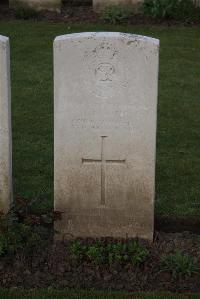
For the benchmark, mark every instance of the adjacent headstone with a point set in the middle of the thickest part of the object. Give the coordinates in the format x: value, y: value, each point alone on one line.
x: 105, y: 134
x: 51, y: 5
x: 5, y: 127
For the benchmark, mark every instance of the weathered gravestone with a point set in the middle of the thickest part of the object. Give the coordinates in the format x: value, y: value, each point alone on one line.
x: 5, y: 126
x: 105, y: 134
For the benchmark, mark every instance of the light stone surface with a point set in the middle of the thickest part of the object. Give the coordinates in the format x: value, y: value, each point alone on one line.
x: 5, y: 127
x: 51, y: 5
x: 105, y: 134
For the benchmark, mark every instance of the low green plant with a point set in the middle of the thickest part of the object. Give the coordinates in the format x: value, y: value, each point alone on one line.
x: 159, y: 9
x: 21, y: 237
x: 110, y: 253
x: 131, y: 252
x: 77, y: 250
x: 187, y: 11
x: 25, y: 13
x: 116, y: 253
x: 24, y: 228
x: 184, y: 10
x: 179, y: 264
x: 116, y: 13
x: 95, y: 254
x: 137, y: 252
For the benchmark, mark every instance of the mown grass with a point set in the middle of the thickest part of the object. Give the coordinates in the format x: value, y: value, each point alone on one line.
x: 79, y: 294
x: 178, y: 156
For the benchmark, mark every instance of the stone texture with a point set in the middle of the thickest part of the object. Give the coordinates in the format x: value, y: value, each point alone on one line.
x: 105, y: 134
x: 51, y: 5
x: 5, y: 126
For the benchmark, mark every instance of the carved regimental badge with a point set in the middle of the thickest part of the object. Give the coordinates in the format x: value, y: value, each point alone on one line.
x: 105, y: 73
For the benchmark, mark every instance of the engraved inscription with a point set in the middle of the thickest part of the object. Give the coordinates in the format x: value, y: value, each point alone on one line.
x: 84, y: 123
x: 103, y: 162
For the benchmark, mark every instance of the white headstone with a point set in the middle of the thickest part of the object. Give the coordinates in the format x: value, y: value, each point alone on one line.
x: 5, y: 127
x: 105, y: 134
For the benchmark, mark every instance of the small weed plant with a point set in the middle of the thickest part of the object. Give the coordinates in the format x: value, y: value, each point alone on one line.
x: 183, y: 10
x: 116, y: 253
x: 25, y: 229
x: 137, y: 253
x: 180, y: 265
x: 159, y: 9
x: 95, y: 254
x: 112, y: 253
x: 77, y: 250
x: 115, y: 14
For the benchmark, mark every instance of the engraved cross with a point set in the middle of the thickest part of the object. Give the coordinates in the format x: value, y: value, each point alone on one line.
x: 103, y: 162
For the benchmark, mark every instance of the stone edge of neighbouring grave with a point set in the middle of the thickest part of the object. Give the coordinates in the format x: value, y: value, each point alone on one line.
x: 5, y: 126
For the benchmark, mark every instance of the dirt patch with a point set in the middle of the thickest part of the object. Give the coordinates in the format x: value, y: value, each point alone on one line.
x: 85, y: 14
x: 55, y: 267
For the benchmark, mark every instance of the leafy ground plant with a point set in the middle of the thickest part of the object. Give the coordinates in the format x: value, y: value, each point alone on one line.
x: 159, y: 9
x: 96, y: 254
x: 116, y: 253
x: 180, y: 265
x: 116, y: 13
x: 77, y: 250
x: 184, y: 10
x: 81, y: 252
x: 111, y: 253
x: 137, y: 253
x: 132, y: 252
x: 24, y: 228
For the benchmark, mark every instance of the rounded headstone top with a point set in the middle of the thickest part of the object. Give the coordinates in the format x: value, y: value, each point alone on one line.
x: 109, y: 35
x: 4, y: 38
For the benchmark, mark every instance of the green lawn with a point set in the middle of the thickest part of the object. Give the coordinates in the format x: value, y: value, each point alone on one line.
x: 76, y: 294
x: 178, y: 155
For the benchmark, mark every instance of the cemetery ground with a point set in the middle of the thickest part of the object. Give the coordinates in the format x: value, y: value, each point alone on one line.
x: 79, y: 294
x: 177, y: 175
